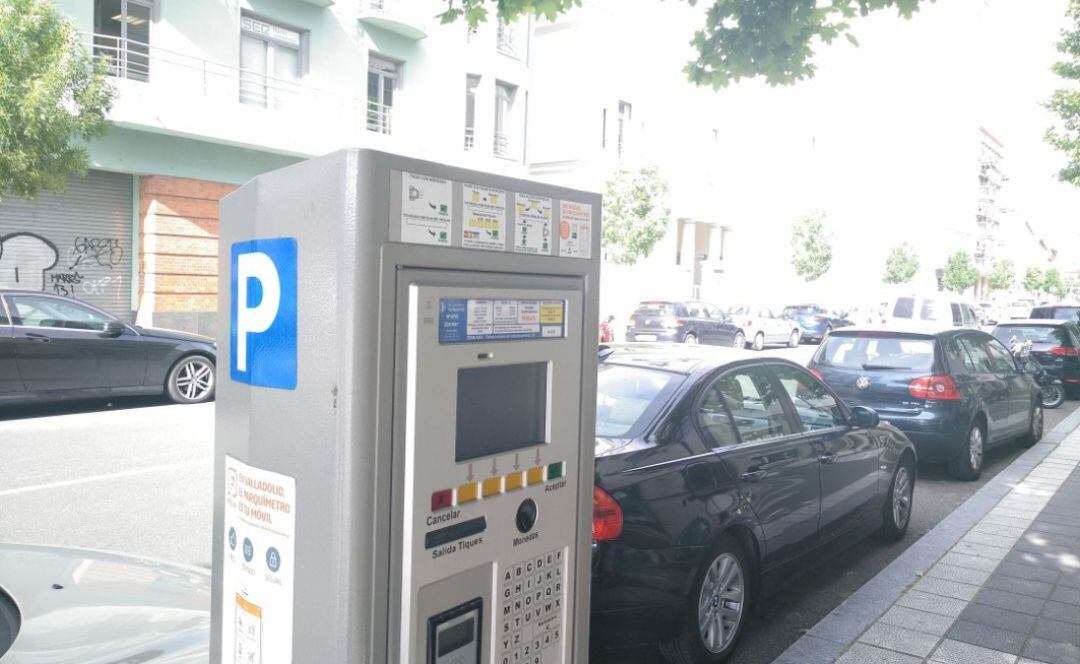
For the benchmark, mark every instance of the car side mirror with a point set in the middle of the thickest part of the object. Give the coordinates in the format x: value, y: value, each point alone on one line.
x: 864, y: 418
x: 113, y: 328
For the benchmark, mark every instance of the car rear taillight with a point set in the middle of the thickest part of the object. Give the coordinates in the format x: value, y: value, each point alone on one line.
x: 817, y: 374
x: 1064, y: 350
x: 606, y: 516
x: 934, y: 387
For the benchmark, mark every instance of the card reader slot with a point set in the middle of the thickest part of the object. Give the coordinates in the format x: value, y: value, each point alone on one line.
x: 455, y: 532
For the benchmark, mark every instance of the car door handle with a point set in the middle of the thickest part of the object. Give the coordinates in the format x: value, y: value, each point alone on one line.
x: 753, y: 475
x: 827, y: 457
x: 40, y: 338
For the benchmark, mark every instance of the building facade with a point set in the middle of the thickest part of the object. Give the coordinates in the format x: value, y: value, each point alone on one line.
x: 214, y: 92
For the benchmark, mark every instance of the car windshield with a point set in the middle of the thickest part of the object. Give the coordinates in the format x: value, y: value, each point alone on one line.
x: 803, y: 310
x: 624, y: 396
x: 655, y: 309
x: 1038, y: 335
x: 877, y: 352
x: 1056, y: 313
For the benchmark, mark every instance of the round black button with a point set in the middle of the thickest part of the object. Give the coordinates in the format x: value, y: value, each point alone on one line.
x: 526, y: 515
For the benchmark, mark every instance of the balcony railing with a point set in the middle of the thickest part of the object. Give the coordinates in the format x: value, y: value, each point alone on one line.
x: 504, y: 41
x: 378, y: 117
x: 502, y: 145
x: 470, y: 138
x: 123, y: 58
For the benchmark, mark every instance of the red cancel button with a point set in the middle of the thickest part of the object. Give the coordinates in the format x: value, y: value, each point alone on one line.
x: 441, y: 500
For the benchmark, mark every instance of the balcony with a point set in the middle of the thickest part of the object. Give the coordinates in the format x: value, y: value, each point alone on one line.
x: 378, y: 117
x: 506, y: 41
x: 502, y: 145
x: 395, y: 16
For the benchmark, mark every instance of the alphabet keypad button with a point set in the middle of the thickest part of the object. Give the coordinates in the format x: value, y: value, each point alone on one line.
x: 531, y: 612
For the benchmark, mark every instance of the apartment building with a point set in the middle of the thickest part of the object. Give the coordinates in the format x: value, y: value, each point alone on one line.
x: 214, y: 92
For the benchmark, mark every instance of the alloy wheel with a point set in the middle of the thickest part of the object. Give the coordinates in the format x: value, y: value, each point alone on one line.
x: 740, y: 340
x: 901, y: 498
x: 195, y: 379
x: 975, y: 448
x: 720, y: 605
x: 690, y: 339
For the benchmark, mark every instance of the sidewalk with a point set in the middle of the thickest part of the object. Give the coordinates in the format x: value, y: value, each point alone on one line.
x: 996, y: 582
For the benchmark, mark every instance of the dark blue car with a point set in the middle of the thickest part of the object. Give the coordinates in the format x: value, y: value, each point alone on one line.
x: 955, y: 392
x: 715, y: 475
x: 816, y: 321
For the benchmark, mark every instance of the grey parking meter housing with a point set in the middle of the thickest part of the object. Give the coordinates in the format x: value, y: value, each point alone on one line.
x: 429, y: 451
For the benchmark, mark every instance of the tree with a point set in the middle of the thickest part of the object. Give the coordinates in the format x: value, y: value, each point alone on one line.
x: 1065, y: 102
x: 1033, y: 280
x: 960, y: 273
x: 774, y: 39
x: 636, y: 214
x: 1053, y: 283
x: 901, y: 264
x: 52, y: 96
x: 811, y: 252
x: 1002, y: 275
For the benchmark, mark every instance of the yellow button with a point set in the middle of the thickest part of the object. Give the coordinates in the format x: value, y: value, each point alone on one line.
x: 468, y: 492
x: 536, y: 475
x: 492, y: 486
x: 515, y: 481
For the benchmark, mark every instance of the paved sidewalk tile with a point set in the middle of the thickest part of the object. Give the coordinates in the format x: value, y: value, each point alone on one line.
x: 920, y: 621
x: 862, y: 653
x: 955, y: 652
x: 899, y: 639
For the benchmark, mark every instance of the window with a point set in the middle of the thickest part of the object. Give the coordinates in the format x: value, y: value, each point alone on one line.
x: 504, y: 108
x: 715, y: 313
x: 694, y: 310
x: 625, y: 113
x: 472, y: 82
x: 1000, y: 359
x: 1044, y: 336
x: 3, y: 314
x: 627, y: 397
x: 36, y: 311
x: 973, y: 356
x: 506, y: 39
x: 817, y: 408
x: 874, y: 352
x: 383, y: 76
x: 603, y: 128
x: 122, y: 37
x: 957, y: 314
x: 754, y: 406
x: 270, y: 63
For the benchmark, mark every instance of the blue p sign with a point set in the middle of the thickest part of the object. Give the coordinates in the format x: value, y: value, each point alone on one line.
x: 262, y: 320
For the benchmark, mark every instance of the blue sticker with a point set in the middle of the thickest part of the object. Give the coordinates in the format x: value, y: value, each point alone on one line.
x: 262, y: 319
x: 468, y: 321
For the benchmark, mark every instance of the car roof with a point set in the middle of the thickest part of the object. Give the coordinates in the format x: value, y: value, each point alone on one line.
x: 679, y: 358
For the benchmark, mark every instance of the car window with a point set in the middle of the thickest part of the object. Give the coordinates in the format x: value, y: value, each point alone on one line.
x: 754, y: 406
x: 957, y: 314
x: 3, y: 313
x: 905, y: 307
x: 876, y: 352
x: 817, y: 408
x: 1038, y: 335
x: 714, y: 419
x: 626, y: 397
x: 35, y: 311
x: 974, y: 356
x: 715, y: 313
x: 1000, y: 358
x: 1057, y: 313
x: 694, y: 310
x: 655, y: 309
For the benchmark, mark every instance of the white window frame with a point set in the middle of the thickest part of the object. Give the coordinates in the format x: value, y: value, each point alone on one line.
x: 505, y: 100
x: 380, y: 115
x: 119, y: 50
x: 276, y: 92
x: 472, y: 87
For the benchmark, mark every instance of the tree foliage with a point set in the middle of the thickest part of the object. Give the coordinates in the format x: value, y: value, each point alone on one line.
x: 636, y: 214
x: 1053, y: 283
x: 1034, y: 280
x: 772, y: 39
x: 901, y: 264
x: 811, y: 252
x: 1002, y: 275
x: 1065, y: 102
x: 52, y: 96
x: 960, y: 273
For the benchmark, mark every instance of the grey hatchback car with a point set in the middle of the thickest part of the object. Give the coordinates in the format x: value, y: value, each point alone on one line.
x: 685, y: 322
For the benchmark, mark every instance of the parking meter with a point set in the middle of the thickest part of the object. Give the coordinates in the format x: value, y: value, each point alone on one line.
x: 403, y: 457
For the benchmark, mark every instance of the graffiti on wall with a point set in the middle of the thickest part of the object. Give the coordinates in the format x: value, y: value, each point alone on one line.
x: 29, y: 261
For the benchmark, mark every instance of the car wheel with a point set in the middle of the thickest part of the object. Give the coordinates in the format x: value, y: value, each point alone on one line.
x: 1035, y: 427
x: 191, y: 380
x: 968, y: 464
x: 740, y: 341
x: 793, y: 340
x: 897, y: 512
x: 759, y: 341
x: 1053, y: 395
x: 690, y: 338
x: 717, y: 609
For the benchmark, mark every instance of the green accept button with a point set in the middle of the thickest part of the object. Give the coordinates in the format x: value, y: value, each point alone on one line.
x: 555, y: 470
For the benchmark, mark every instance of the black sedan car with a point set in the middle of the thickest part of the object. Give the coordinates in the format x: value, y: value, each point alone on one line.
x: 954, y: 392
x: 684, y: 322
x: 1055, y: 345
x: 54, y: 348
x: 816, y: 321
x: 715, y: 474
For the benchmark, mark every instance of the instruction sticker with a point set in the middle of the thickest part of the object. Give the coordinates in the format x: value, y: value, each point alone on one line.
x: 483, y: 218
x: 425, y: 209
x: 463, y: 321
x: 257, y: 580
x: 575, y: 230
x: 532, y: 224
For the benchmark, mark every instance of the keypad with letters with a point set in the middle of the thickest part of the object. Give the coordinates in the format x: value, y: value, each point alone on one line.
x: 529, y: 620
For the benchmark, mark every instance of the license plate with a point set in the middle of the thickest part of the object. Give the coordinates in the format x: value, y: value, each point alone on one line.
x: 644, y: 337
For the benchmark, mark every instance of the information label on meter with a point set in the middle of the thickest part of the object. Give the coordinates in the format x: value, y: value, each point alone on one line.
x: 465, y: 321
x: 257, y: 580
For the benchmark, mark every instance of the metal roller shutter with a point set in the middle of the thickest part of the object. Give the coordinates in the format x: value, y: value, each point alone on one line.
x: 77, y: 243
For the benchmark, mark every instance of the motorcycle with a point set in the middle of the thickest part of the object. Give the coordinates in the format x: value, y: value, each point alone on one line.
x: 1053, y: 390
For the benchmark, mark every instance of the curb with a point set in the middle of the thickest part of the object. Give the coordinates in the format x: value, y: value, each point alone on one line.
x: 834, y: 633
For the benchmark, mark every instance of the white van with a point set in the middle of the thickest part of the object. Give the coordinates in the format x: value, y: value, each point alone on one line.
x: 943, y: 311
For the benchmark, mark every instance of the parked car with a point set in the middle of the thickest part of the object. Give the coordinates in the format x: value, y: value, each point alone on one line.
x: 54, y: 348
x: 765, y: 325
x: 685, y: 322
x: 816, y: 321
x: 1055, y: 345
x: 987, y: 314
x: 1057, y: 312
x: 60, y: 606
x: 954, y: 392
x: 934, y: 310
x: 1021, y: 308
x: 717, y: 474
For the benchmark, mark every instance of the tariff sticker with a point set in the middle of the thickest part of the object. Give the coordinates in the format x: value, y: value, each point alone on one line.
x: 483, y: 218
x: 462, y: 320
x: 532, y: 224
x: 575, y: 230
x: 425, y: 209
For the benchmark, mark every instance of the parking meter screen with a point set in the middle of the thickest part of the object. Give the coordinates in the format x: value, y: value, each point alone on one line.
x: 500, y: 409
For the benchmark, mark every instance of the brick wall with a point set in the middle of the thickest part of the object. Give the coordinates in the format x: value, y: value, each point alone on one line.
x: 178, y: 268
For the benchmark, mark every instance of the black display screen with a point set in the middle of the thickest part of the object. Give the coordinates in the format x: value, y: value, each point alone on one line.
x: 455, y: 637
x: 500, y: 409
